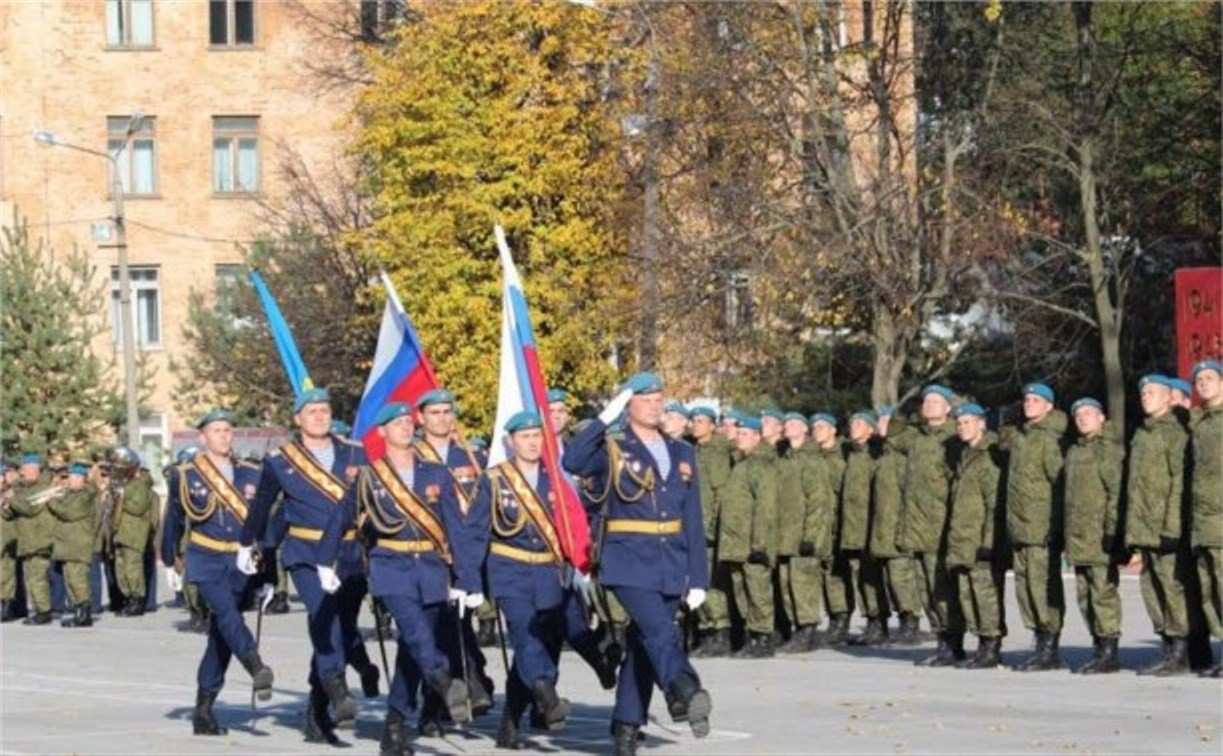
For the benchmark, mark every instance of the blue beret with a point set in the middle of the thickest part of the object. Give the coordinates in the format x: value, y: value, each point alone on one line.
x: 969, y: 408
x: 1181, y: 385
x: 524, y: 420
x: 32, y: 458
x: 557, y: 395
x: 1214, y: 365
x: 772, y: 412
x: 730, y: 415
x: 436, y: 396
x: 478, y: 443
x: 1086, y: 401
x: 676, y: 406
x: 885, y: 411
x: 1039, y: 389
x: 702, y: 410
x: 390, y: 412
x: 214, y: 416
x: 187, y: 453
x: 1159, y: 379
x: 749, y: 422
x: 644, y: 383
x: 800, y: 417
x: 340, y: 428
x: 78, y: 468
x: 938, y: 388
x: 311, y: 396
x: 864, y: 415
x: 824, y: 417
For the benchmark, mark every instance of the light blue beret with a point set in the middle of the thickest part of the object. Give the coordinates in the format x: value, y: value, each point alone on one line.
x: 391, y: 412
x: 1039, y: 389
x: 969, y: 408
x: 524, y: 420
x: 311, y: 396
x: 214, y: 416
x: 1086, y: 401
x: 1214, y: 365
x: 644, y: 383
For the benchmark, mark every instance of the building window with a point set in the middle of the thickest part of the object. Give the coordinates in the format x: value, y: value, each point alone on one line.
x: 380, y: 16
x: 146, y: 306
x: 153, y: 442
x: 231, y: 22
x: 228, y: 278
x: 137, y: 163
x: 739, y: 311
x: 235, y: 154
x: 129, y: 23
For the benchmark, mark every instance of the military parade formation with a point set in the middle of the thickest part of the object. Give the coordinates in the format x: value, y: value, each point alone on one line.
x: 713, y: 533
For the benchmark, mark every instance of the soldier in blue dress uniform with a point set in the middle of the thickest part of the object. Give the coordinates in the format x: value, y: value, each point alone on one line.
x: 651, y: 553
x: 313, y: 474
x: 215, y: 491
x: 410, y: 514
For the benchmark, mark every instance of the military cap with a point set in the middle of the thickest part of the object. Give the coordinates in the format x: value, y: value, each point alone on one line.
x: 187, y: 453
x: 1181, y: 385
x: 391, y: 412
x: 123, y: 457
x: 703, y: 410
x: 78, y: 468
x: 823, y: 417
x: 340, y: 428
x: 311, y: 396
x: 436, y: 396
x: 214, y: 416
x: 797, y: 416
x: 478, y: 443
x: 865, y: 416
x: 750, y: 422
x: 969, y: 408
x: 32, y: 458
x: 938, y: 388
x: 557, y: 395
x: 643, y: 383
x: 678, y: 407
x: 772, y: 412
x: 730, y: 415
x: 1039, y: 389
x: 1159, y: 379
x: 524, y: 420
x: 1086, y: 401
x: 1204, y: 365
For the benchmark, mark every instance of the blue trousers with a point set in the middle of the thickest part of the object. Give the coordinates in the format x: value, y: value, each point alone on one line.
x: 349, y: 597
x: 55, y: 573
x: 97, y: 573
x: 322, y: 622
x: 417, y: 648
x: 654, y: 656
x: 533, y: 635
x: 150, y: 579
x: 227, y: 631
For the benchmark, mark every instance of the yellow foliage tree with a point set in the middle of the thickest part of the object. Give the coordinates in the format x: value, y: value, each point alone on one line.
x: 484, y: 112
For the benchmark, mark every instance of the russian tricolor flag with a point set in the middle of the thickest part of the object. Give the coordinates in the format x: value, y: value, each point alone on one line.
x: 522, y: 387
x: 401, y: 372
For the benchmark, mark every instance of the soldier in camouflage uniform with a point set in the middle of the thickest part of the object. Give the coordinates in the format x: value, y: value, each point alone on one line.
x: 1034, y: 521
x: 746, y: 538
x: 75, y: 514
x: 803, y: 484
x: 136, y: 506
x: 1095, y: 471
x: 1206, y: 483
x: 859, y: 569
x: 899, y: 570
x: 836, y: 591
x: 973, y: 535
x: 35, y: 533
x: 713, y: 464
x: 1153, y: 522
x: 8, y: 545
x: 931, y: 457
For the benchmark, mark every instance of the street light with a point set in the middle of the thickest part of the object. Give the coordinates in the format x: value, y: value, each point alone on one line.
x: 127, y: 327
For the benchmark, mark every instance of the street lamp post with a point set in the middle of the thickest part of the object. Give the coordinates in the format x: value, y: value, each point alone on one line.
x: 126, y: 316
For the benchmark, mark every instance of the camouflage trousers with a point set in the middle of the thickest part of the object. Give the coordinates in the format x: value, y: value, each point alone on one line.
x: 837, y: 585
x: 900, y: 577
x: 714, y: 614
x: 867, y: 580
x: 1099, y: 601
x: 938, y: 592
x: 982, y: 601
x: 8, y: 567
x: 129, y: 573
x: 752, y: 585
x: 1210, y: 575
x: 1038, y: 586
x: 37, y: 581
x: 1163, y: 591
x: 76, y: 582
x: 798, y: 579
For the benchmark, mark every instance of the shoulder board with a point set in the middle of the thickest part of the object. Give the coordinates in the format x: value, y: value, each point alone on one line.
x: 350, y: 442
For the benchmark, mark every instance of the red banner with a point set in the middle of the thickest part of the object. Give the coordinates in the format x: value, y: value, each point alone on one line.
x: 1199, y: 317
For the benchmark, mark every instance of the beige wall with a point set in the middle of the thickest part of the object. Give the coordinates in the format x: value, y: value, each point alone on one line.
x: 57, y: 73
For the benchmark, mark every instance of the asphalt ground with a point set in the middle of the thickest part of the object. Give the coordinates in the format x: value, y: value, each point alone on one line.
x: 127, y: 686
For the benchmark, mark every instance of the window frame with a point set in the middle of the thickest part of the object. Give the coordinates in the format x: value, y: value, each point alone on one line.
x: 125, y: 42
x: 234, y: 136
x: 231, y: 26
x: 137, y: 285
x: 148, y: 132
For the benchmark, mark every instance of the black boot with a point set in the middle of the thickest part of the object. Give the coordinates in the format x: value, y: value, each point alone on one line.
x: 516, y: 701
x: 190, y: 625
x: 1164, y: 649
x: 876, y: 633
x: 261, y: 675
x: 715, y: 644
x: 507, y: 735
x: 1201, y: 655
x: 202, y: 720
x: 202, y: 620
x: 1038, y: 655
x: 988, y: 655
x: 1096, y: 649
x: 394, y: 742
x: 480, y: 689
x: 319, y: 727
x: 941, y: 652
x: 81, y: 617
x: 1046, y: 656
x: 1178, y: 659
x: 554, y: 709
x: 279, y: 603
x: 38, y: 618
x: 598, y: 659
x: 452, y: 692
x: 8, y: 611
x: 758, y: 646
x: 624, y: 739
x: 909, y: 632
x: 688, y: 701
x: 486, y: 633
x: 343, y: 705
x: 838, y: 630
x: 800, y: 641
x: 1106, y: 658
x: 369, y: 680
x: 133, y: 608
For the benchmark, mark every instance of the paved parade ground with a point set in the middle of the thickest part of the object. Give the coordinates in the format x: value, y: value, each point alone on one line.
x: 127, y: 686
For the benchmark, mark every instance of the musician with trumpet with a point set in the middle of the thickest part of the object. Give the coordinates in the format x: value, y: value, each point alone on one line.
x: 8, y: 544
x: 35, y: 527
x: 75, y: 512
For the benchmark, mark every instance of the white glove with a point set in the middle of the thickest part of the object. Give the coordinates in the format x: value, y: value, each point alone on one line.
x: 174, y: 579
x: 584, y: 587
x: 328, y: 579
x: 457, y: 595
x: 246, y: 560
x: 615, y: 407
x: 695, y: 597
x: 473, y: 600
